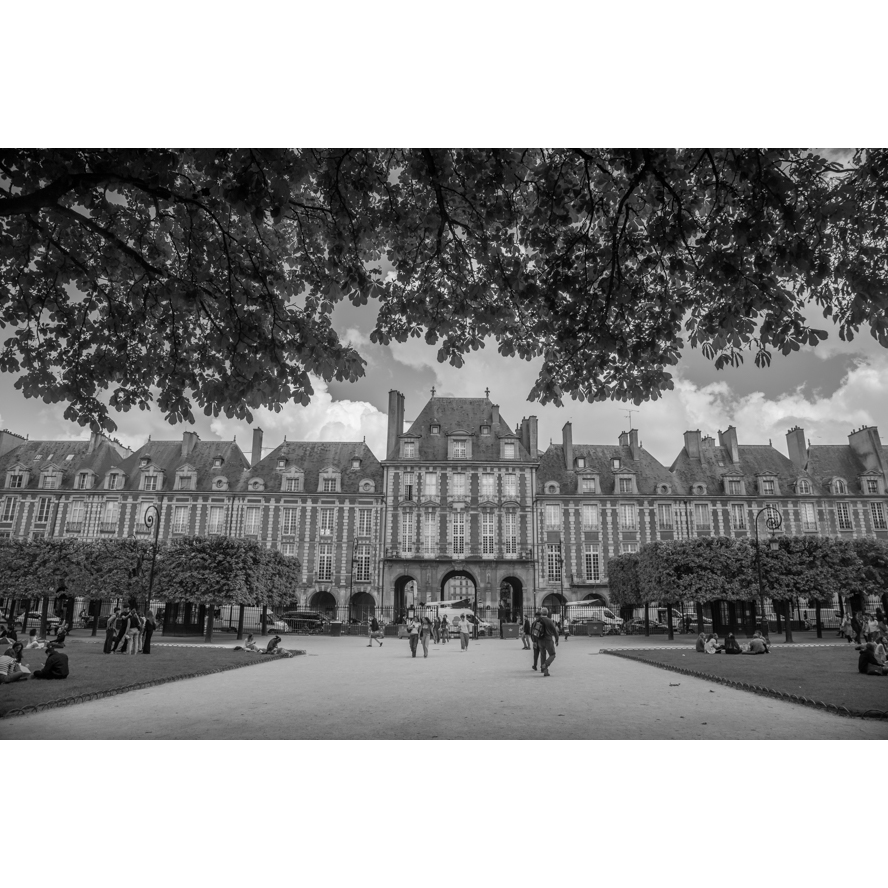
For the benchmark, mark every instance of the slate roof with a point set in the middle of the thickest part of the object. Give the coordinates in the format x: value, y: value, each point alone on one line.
x: 827, y: 461
x: 312, y: 457
x: 755, y: 459
x: 648, y: 470
x: 37, y: 455
x: 461, y: 414
x: 168, y: 456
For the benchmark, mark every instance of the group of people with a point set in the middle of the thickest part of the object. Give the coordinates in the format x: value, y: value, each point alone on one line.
x: 12, y: 665
x: 273, y: 648
x: 709, y: 644
x: 425, y: 631
x: 863, y: 627
x: 129, y: 631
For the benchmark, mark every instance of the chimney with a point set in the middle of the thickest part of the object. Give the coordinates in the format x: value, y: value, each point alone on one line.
x: 95, y: 439
x: 257, y: 447
x: 693, y: 444
x: 797, y: 448
x: 708, y: 442
x: 728, y: 440
x: 395, y: 421
x: 189, y: 442
x: 495, y: 422
x: 567, y: 437
x: 633, y: 444
x: 624, y: 439
x: 867, y: 445
x: 9, y: 441
x: 529, y: 435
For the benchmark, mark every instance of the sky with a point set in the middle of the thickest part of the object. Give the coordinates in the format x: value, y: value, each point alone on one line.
x: 828, y: 390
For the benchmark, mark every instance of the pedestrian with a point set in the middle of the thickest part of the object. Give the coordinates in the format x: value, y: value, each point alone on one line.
x: 375, y: 634
x: 872, y: 628
x: 436, y: 628
x: 110, y: 629
x: 524, y: 631
x: 545, y: 633
x: 413, y: 635
x: 845, y: 628
x: 464, y: 633
x: 148, y: 631
x: 565, y: 627
x: 856, y: 627
x: 122, y: 626
x: 445, y: 630
x: 425, y: 635
x: 133, y: 632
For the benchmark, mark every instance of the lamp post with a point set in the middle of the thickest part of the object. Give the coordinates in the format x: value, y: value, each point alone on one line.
x: 772, y: 522
x: 150, y: 520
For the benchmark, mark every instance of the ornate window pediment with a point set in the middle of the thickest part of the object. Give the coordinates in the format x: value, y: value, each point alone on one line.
x: 17, y: 476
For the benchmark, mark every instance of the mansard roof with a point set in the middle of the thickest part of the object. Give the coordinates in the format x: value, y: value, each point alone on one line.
x: 312, y: 457
x: 167, y: 455
x: 828, y: 461
x: 462, y: 415
x: 648, y: 471
x: 37, y: 456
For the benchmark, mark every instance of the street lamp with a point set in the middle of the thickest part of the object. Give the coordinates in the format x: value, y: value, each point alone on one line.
x: 150, y: 520
x: 772, y: 522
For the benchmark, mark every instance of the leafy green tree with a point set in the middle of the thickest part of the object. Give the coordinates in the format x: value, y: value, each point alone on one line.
x: 623, y: 580
x: 210, y: 276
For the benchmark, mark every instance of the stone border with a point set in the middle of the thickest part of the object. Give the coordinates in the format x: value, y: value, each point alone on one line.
x: 755, y: 689
x: 113, y: 692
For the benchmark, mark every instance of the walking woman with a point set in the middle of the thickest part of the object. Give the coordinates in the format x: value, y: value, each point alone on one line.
x: 436, y: 628
x: 148, y: 631
x: 135, y: 628
x: 525, y: 633
x: 425, y: 635
x: 413, y: 636
x: 445, y: 630
x: 845, y: 628
x: 464, y: 633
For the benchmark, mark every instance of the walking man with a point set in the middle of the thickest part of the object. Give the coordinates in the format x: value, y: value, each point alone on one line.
x: 464, y: 633
x: 414, y: 636
x: 375, y: 634
x: 545, y: 634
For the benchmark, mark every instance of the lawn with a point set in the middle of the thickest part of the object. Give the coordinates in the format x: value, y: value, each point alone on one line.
x: 823, y: 674
x: 93, y: 672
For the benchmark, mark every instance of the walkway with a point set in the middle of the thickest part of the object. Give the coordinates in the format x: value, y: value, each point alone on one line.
x: 343, y: 690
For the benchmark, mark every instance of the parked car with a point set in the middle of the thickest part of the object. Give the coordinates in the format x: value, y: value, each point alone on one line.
x: 52, y: 622
x: 307, y: 622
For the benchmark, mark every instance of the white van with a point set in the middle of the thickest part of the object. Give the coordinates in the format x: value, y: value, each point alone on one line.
x: 591, y: 611
x: 227, y: 617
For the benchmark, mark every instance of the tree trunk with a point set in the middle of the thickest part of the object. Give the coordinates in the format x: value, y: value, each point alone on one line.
x: 699, y: 617
x: 265, y: 619
x: 788, y: 615
x: 817, y: 618
x: 94, y: 609
x: 44, y: 611
x: 669, y: 621
x: 240, y: 622
x: 647, y: 620
x: 211, y: 611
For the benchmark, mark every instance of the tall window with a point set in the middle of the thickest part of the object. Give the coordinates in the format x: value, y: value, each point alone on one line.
x: 8, y: 509
x: 841, y: 487
x: 431, y: 485
x: 553, y: 563
x: 184, y: 482
x: 592, y: 562
x: 738, y: 516
x: 365, y: 519
x: 510, y: 532
x: 804, y: 487
x: 664, y: 516
x: 149, y: 482
x: 180, y: 519
x: 734, y: 486
x: 767, y: 486
x: 288, y: 522
x: 510, y: 485
x: 111, y: 512
x: 362, y: 563
x: 843, y: 513
x: 75, y: 513
x: 487, y: 485
x: 409, y: 449
x: 326, y: 522
x: 487, y: 533
x: 628, y: 548
x: 113, y: 481
x: 701, y: 515
x: 293, y: 485
x: 590, y: 517
x: 288, y: 549
x: 43, y: 507
x: 429, y: 533
x: 809, y: 516
x: 878, y: 511
x: 587, y: 485
x: 50, y: 481
x: 459, y: 449
x: 16, y: 481
x: 459, y: 533
x: 628, y: 516
x: 329, y: 485
x: 509, y: 450
x: 216, y: 520
x: 408, y: 485
x: 872, y: 485
x: 458, y: 485
x: 407, y: 526
x: 625, y: 485
x: 252, y: 515
x: 325, y: 562
x: 553, y: 516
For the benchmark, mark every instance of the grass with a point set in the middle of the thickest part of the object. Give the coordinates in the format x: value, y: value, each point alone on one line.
x: 93, y: 672
x: 822, y: 674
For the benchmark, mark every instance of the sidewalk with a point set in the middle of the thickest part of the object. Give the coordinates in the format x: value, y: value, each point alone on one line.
x: 344, y: 690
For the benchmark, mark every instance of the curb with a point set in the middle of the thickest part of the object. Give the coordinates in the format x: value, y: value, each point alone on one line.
x: 755, y: 689
x: 113, y: 692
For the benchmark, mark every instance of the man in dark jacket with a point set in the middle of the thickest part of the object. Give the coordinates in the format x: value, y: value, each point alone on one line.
x: 56, y: 665
x: 545, y: 636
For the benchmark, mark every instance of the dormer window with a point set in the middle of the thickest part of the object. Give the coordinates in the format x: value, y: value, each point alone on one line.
x: 257, y: 484
x: 143, y: 461
x: 615, y: 463
x: 15, y: 480
x: 292, y: 483
x: 184, y: 482
x: 734, y: 487
x: 552, y: 487
x: 113, y: 481
x: 581, y: 462
x: 626, y: 485
x: 217, y: 462
x: 872, y: 485
x: 459, y: 449
x: 698, y: 489
x: 220, y: 484
x: 509, y: 450
x: 356, y: 463
x: 329, y: 485
x: 436, y: 429
x: 767, y: 486
x: 804, y: 487
x: 408, y: 449
x: 84, y: 481
x: 282, y: 464
x: 50, y: 481
x: 149, y: 482
x: 839, y: 486
x: 485, y: 430
x: 588, y: 485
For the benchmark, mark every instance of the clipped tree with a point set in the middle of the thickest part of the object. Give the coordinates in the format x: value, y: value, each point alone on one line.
x: 623, y: 580
x: 873, y: 555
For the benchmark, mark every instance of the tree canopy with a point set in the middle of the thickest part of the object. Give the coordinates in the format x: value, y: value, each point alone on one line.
x: 208, y: 278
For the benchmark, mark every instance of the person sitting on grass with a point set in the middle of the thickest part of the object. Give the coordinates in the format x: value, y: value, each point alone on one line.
x: 731, y: 646
x: 867, y: 664
x: 272, y: 645
x: 712, y: 646
x: 33, y: 642
x: 56, y: 665
x: 9, y: 668
x: 701, y: 643
x: 758, y: 644
x: 250, y: 645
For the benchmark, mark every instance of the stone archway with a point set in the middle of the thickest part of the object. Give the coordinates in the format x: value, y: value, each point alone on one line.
x: 512, y: 590
x: 324, y: 603
x: 555, y: 602
x: 457, y: 584
x: 362, y: 607
x: 404, y: 596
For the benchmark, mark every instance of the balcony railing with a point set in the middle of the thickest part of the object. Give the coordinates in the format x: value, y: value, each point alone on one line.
x: 473, y: 553
x: 73, y: 526
x: 108, y: 526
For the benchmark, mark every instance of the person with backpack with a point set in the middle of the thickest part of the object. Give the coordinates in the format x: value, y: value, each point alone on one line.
x: 545, y: 637
x: 374, y: 632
